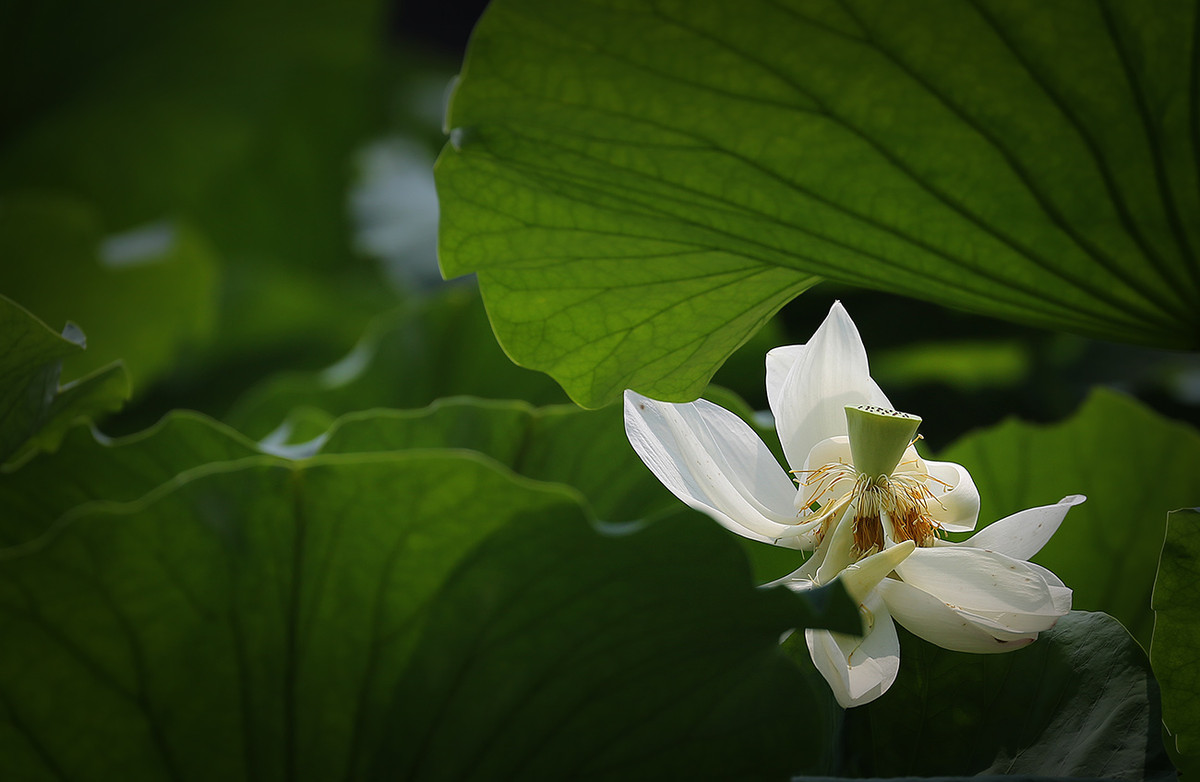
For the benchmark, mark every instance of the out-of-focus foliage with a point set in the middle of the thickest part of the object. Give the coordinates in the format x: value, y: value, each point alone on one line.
x: 438, y: 347
x: 187, y: 167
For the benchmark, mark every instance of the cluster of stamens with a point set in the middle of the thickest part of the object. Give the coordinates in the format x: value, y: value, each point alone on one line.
x: 902, y: 498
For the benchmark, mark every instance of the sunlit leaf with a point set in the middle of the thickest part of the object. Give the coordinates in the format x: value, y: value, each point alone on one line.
x: 1133, y: 465
x: 638, y: 185
x: 1175, y: 650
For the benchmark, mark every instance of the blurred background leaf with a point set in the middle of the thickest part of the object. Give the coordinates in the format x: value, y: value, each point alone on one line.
x: 35, y: 409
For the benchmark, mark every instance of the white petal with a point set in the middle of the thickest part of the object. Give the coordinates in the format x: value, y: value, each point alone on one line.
x: 830, y: 373
x: 713, y: 461
x: 984, y: 583
x: 955, y: 503
x: 1059, y: 591
x: 858, y: 670
x: 863, y: 576
x: 1023, y: 534
x: 779, y: 363
x: 925, y: 616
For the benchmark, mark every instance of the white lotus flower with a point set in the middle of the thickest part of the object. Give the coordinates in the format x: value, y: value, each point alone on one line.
x: 873, y: 510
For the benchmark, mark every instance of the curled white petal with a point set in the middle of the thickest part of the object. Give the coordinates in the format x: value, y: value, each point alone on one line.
x: 984, y: 583
x: 858, y: 670
x: 1023, y: 534
x: 955, y: 503
x: 830, y: 373
x: 926, y: 616
x: 712, y: 461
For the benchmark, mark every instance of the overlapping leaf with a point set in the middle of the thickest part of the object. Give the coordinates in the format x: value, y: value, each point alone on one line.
x: 388, y: 614
x: 34, y: 410
x: 640, y: 184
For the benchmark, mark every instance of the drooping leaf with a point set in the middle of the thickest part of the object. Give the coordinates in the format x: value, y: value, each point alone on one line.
x: 639, y: 185
x: 1132, y: 464
x: 1174, y: 649
x: 34, y: 409
x: 401, y: 614
x: 1079, y: 702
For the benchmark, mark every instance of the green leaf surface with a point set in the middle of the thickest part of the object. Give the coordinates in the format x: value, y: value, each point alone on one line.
x: 586, y: 450
x: 142, y: 297
x: 1175, y: 649
x: 436, y: 348
x: 89, y: 468
x: 1079, y: 702
x: 34, y: 410
x: 1132, y: 464
x: 420, y: 614
x: 638, y: 185
x: 104, y: 391
x: 29, y: 370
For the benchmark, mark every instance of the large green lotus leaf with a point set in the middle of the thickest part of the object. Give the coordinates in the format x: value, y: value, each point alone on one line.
x: 1132, y: 464
x: 34, y: 410
x: 638, y: 185
x: 407, y: 615
x: 586, y: 450
x: 1079, y: 702
x: 89, y: 467
x: 141, y: 297
x: 426, y: 350
x: 1175, y: 649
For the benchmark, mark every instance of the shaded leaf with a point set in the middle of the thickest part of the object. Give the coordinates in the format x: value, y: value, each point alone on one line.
x: 83, y: 400
x: 638, y: 186
x: 1173, y: 651
x: 1132, y: 464
x: 437, y: 348
x: 1079, y: 702
x: 34, y: 409
x: 266, y: 619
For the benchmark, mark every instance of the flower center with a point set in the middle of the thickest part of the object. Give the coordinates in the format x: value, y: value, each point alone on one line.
x: 898, y: 501
x: 881, y: 506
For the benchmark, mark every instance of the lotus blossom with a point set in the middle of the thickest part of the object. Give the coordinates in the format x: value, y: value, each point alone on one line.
x: 873, y: 511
